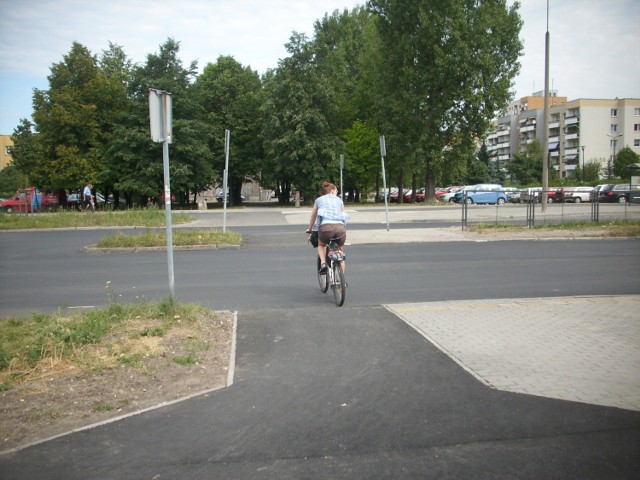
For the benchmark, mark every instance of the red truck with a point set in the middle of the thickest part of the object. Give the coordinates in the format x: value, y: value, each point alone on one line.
x: 30, y: 200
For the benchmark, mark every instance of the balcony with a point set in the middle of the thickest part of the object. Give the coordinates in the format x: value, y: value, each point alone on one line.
x: 571, y: 120
x: 571, y: 136
x: 571, y: 151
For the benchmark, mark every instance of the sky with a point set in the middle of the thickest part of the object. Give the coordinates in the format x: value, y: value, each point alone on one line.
x: 594, y: 44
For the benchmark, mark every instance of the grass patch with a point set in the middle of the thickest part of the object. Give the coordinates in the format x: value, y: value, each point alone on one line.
x: 146, y: 217
x: 618, y: 228
x: 152, y: 238
x: 102, y: 407
x: 49, y: 345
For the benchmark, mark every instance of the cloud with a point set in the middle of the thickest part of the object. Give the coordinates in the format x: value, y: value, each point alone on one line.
x: 595, y: 45
x: 594, y: 48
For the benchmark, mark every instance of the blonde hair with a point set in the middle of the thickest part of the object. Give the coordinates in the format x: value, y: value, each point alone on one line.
x: 328, y: 187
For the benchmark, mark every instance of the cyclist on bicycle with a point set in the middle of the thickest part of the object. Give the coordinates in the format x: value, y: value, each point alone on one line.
x: 329, y: 219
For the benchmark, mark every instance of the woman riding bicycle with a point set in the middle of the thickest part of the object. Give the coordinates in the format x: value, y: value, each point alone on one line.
x: 329, y: 218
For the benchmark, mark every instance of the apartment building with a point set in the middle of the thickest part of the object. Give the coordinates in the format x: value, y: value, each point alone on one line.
x: 580, y: 131
x: 5, y: 150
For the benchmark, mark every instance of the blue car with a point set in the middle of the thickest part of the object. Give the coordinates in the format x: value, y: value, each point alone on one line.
x: 482, y: 193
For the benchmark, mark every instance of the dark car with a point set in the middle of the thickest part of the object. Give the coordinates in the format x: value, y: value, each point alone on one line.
x: 614, y: 193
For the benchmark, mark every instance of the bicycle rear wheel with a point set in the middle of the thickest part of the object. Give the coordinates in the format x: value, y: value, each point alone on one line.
x: 339, y: 285
x: 323, y: 280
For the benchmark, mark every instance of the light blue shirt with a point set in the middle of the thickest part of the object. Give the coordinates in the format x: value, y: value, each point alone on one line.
x: 330, y: 210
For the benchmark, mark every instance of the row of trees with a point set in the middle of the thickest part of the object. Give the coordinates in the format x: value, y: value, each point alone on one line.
x: 427, y: 75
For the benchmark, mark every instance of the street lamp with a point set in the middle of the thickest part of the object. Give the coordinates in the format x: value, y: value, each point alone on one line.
x: 615, y: 138
x: 583, y: 147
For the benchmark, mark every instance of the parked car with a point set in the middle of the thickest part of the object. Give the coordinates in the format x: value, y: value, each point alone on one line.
x: 30, y: 199
x: 219, y: 197
x: 448, y: 197
x: 614, y: 193
x: 483, y: 193
x: 575, y: 194
x: 514, y: 195
x: 393, y: 198
x: 446, y: 193
x: 596, y: 190
x: 535, y: 194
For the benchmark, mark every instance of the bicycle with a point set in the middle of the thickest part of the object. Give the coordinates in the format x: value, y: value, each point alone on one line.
x: 334, y: 276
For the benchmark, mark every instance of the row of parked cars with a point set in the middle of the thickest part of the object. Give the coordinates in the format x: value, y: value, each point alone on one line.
x: 605, y: 193
x: 485, y: 193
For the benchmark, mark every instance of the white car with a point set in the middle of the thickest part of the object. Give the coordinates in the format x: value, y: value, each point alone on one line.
x: 448, y: 197
x: 577, y: 194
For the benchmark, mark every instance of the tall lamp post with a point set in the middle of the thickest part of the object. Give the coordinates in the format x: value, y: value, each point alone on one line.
x: 583, y: 147
x: 615, y: 138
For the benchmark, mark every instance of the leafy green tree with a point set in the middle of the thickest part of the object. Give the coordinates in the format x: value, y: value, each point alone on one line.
x: 300, y: 140
x: 345, y: 45
x: 69, y: 118
x: 339, y: 47
x: 362, y: 158
x: 624, y: 158
x: 609, y: 171
x: 136, y: 160
x: 11, y: 180
x: 117, y: 70
x: 591, y: 172
x: 230, y: 94
x: 27, y: 154
x: 526, y: 168
x: 447, y: 68
x: 478, y: 167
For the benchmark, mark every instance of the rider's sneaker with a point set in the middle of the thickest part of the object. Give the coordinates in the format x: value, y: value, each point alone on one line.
x: 323, y: 269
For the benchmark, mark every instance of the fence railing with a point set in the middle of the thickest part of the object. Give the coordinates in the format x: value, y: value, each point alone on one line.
x: 527, y: 209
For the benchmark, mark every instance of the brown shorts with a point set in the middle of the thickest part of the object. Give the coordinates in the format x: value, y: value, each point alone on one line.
x: 329, y: 230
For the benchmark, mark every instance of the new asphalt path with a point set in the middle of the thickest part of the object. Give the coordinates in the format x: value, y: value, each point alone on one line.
x: 518, y: 388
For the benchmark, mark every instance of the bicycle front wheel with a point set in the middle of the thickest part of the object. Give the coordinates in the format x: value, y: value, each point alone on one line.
x: 339, y: 285
x: 323, y: 279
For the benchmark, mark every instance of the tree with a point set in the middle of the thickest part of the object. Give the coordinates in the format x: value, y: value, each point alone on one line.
x: 11, y: 180
x: 230, y: 94
x: 624, y: 158
x: 27, y: 154
x: 300, y: 139
x: 478, y: 167
x: 136, y: 160
x: 70, y: 122
x: 609, y: 173
x: 448, y: 67
x: 362, y: 158
x: 526, y: 168
x: 591, y: 172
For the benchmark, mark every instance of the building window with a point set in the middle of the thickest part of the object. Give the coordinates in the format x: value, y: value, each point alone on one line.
x: 7, y: 150
x: 614, y: 112
x: 614, y: 128
x: 636, y: 112
x: 636, y: 142
x: 636, y: 127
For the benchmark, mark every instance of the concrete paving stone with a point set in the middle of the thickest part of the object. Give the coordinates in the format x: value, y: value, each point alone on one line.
x: 584, y: 349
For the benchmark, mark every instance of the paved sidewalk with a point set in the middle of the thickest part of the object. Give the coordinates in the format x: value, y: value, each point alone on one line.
x: 583, y: 349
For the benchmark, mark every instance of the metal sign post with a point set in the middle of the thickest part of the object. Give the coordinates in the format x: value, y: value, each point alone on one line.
x: 341, y: 168
x: 225, y: 178
x: 160, y: 116
x: 383, y: 153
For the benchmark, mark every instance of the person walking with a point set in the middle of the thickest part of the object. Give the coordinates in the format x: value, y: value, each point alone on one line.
x: 329, y: 218
x: 87, y: 198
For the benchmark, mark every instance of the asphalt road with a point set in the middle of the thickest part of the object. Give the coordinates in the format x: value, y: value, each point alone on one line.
x: 325, y: 392
x: 46, y: 271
